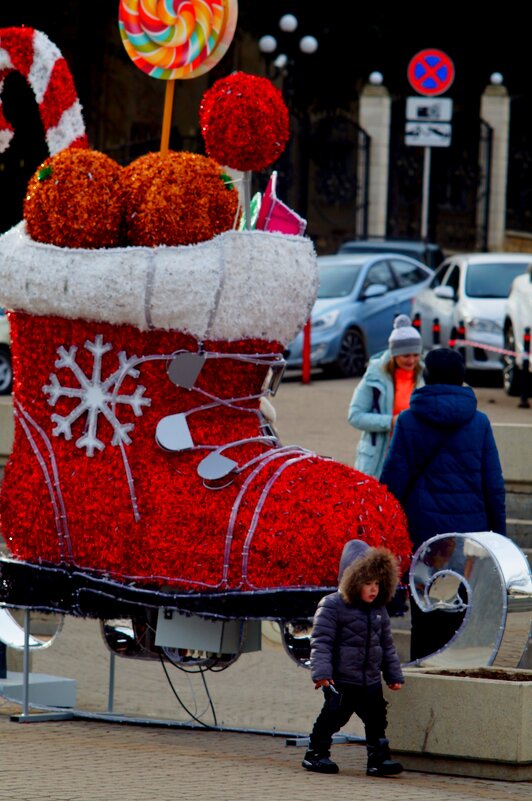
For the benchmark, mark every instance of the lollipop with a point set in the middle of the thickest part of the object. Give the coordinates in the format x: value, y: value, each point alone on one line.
x: 170, y: 44
x: 168, y: 39
x: 38, y: 60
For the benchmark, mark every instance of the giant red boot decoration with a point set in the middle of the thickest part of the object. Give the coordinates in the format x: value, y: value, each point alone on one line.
x: 141, y: 459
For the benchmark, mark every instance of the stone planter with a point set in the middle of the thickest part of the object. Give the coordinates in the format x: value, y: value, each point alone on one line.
x: 464, y: 722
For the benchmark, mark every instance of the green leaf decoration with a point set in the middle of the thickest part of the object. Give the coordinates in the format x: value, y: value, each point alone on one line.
x: 44, y: 173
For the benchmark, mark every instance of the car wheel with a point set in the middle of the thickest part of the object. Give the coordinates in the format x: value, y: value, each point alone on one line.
x: 6, y: 372
x: 351, y: 359
x: 511, y: 372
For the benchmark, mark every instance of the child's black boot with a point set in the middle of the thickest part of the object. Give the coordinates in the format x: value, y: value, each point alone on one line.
x: 380, y: 762
x: 320, y: 763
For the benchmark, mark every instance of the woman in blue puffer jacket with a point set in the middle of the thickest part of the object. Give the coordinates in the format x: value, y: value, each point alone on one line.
x: 443, y: 465
x: 444, y: 469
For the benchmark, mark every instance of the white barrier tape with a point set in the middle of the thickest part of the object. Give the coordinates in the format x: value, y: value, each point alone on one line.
x: 460, y: 343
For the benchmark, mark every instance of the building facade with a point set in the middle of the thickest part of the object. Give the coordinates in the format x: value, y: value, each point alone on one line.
x: 347, y: 168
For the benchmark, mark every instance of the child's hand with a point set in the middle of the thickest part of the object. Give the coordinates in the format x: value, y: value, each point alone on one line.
x: 322, y: 683
x: 394, y: 686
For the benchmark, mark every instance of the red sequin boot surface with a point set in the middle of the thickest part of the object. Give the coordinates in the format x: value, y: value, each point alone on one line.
x: 141, y: 455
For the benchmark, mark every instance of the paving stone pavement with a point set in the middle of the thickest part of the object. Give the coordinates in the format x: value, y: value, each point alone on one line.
x: 86, y: 761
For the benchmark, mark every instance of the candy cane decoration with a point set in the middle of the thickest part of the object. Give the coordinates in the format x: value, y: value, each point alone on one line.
x: 40, y: 62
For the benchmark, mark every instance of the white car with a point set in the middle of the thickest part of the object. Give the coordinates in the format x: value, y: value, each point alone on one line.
x: 472, y: 289
x: 6, y: 373
x: 518, y: 316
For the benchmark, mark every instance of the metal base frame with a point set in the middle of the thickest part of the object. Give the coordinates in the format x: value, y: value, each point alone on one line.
x: 54, y: 714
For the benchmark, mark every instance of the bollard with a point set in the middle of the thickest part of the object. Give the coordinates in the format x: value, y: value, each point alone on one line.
x: 453, y: 337
x: 305, y: 369
x: 436, y: 331
x: 460, y: 335
x: 416, y: 322
x: 525, y: 371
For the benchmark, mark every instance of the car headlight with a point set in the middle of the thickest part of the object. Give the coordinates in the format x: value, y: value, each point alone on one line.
x: 484, y: 326
x: 326, y: 320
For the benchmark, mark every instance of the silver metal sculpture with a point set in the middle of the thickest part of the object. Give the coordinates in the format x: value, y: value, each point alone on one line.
x: 489, y: 577
x: 42, y: 635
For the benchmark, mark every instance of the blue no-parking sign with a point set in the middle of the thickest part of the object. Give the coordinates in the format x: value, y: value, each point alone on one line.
x: 430, y: 72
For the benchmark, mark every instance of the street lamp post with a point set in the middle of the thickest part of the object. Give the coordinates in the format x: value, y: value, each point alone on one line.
x: 285, y: 65
x: 269, y: 45
x: 287, y: 24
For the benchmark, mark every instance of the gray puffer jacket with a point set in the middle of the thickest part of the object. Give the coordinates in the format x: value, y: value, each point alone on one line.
x: 351, y: 640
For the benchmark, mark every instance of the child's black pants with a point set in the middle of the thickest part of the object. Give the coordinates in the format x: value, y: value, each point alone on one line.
x: 366, y: 702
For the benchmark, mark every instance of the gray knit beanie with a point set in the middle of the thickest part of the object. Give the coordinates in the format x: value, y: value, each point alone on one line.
x: 404, y: 338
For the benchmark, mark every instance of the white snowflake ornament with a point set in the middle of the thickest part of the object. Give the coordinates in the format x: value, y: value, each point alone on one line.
x: 96, y: 396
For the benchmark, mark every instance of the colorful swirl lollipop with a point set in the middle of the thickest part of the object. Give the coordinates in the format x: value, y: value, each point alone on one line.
x: 171, y: 39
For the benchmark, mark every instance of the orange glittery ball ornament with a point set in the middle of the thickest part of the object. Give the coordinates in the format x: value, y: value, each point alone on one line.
x: 72, y: 200
x: 177, y: 199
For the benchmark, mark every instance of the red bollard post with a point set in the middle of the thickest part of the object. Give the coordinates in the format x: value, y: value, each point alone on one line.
x: 453, y: 337
x: 416, y: 322
x: 436, y: 331
x: 525, y: 370
x: 460, y: 335
x: 305, y: 368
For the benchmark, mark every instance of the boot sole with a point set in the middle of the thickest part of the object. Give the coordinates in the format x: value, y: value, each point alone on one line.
x: 314, y: 769
x: 69, y: 590
x: 381, y: 774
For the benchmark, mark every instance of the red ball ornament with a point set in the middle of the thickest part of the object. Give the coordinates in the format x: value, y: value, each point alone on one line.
x: 244, y: 121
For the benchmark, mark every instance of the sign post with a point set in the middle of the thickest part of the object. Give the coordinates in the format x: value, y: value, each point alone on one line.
x: 425, y: 194
x: 428, y: 121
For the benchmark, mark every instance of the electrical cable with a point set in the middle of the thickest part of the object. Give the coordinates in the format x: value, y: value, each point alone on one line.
x: 204, y: 680
x: 214, y: 669
x: 192, y: 690
x: 198, y: 720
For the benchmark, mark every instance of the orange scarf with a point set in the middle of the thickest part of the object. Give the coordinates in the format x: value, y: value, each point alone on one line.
x: 404, y: 383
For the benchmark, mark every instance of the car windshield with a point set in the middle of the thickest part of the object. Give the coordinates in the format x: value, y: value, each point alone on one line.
x: 338, y: 280
x: 492, y: 280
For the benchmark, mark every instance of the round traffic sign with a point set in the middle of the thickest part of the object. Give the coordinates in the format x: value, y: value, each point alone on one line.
x: 430, y: 72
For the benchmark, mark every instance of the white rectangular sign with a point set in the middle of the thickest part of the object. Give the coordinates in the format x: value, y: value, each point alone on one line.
x: 429, y: 109
x: 428, y: 134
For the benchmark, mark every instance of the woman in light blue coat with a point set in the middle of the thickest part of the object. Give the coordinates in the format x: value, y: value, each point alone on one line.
x: 383, y: 393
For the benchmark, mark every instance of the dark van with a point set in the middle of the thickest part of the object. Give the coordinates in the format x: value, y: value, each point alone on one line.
x: 427, y: 252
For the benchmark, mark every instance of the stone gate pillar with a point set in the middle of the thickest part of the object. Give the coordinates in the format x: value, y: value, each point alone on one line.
x: 495, y: 110
x: 374, y: 118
